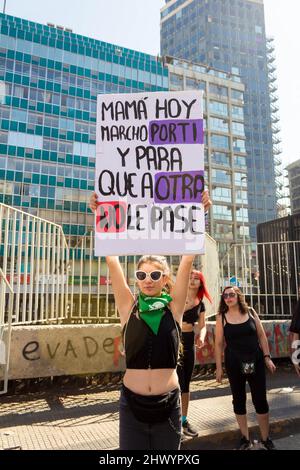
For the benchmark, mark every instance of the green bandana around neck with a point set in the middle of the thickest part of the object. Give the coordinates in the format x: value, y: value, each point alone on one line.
x: 152, y: 309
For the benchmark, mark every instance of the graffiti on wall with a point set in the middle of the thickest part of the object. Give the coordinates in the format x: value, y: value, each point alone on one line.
x: 64, y: 350
x: 278, y: 335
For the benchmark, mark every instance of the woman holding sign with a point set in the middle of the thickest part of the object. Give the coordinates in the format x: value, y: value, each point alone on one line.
x: 150, y: 411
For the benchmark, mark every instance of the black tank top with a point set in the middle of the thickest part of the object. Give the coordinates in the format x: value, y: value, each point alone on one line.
x: 241, y: 338
x: 144, y: 349
x: 192, y: 315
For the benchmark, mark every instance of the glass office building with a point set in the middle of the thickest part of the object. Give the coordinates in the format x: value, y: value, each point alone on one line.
x: 294, y: 185
x: 225, y: 146
x: 230, y: 35
x: 49, y: 81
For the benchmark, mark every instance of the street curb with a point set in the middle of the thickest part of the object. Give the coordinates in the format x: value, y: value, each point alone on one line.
x: 228, y: 439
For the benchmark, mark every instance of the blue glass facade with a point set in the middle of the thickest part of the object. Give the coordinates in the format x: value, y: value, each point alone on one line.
x: 49, y: 81
x: 230, y: 35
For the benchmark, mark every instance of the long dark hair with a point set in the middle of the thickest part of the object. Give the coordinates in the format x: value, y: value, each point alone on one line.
x: 223, y: 308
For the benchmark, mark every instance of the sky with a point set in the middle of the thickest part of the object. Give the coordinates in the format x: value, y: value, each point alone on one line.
x: 135, y: 24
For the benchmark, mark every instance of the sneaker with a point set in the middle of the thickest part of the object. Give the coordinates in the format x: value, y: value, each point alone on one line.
x: 244, y: 444
x: 267, y: 444
x: 188, y: 430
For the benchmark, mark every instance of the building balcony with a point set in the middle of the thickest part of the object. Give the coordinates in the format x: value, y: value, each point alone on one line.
x: 271, y: 58
x: 275, y: 129
x: 272, y: 77
x: 271, y: 67
x: 277, y: 159
x: 274, y: 108
x: 274, y: 118
x: 276, y: 140
x: 273, y: 87
x: 273, y: 98
x: 278, y: 172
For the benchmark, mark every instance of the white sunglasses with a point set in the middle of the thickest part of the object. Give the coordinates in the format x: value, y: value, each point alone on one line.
x: 154, y: 275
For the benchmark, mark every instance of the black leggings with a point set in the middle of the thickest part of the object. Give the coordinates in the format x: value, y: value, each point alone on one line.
x: 256, y: 381
x: 187, y: 360
x: 136, y: 435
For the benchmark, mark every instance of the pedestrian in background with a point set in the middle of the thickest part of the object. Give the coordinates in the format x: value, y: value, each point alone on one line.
x: 193, y: 327
x: 246, y: 355
x: 295, y: 330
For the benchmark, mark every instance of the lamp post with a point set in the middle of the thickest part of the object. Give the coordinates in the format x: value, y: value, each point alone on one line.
x: 244, y: 261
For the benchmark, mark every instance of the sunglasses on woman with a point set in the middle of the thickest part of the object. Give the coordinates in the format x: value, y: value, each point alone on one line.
x: 154, y: 275
x: 228, y: 295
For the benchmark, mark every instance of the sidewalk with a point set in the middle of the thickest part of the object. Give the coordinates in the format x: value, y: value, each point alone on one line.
x: 87, y: 419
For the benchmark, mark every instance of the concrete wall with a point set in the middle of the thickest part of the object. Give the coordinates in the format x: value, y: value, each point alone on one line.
x: 43, y: 351
x: 277, y: 332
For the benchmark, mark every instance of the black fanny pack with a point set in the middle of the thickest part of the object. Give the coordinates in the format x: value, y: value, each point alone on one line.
x: 248, y: 362
x: 152, y: 408
x: 248, y: 367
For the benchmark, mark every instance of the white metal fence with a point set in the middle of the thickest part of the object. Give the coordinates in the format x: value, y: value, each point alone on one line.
x: 34, y: 261
x: 267, y: 273
x: 53, y: 281
x: 5, y: 329
x: 90, y: 292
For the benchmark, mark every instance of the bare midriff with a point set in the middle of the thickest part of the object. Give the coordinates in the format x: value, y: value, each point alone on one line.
x: 151, y: 381
x: 187, y: 327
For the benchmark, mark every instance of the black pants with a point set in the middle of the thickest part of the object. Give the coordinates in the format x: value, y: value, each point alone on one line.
x: 256, y: 381
x: 136, y: 435
x: 187, y: 361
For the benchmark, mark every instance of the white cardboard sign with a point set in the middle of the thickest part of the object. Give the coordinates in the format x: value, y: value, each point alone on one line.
x: 150, y: 174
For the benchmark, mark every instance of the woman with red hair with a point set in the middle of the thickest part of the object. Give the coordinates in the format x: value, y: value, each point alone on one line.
x: 192, y: 326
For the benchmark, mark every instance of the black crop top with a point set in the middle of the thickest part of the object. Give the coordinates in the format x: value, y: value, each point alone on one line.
x: 241, y: 337
x: 192, y: 315
x: 144, y: 349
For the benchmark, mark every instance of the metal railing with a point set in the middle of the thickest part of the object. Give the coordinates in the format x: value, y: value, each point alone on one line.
x: 268, y: 275
x: 34, y: 260
x: 5, y: 329
x: 90, y: 293
x: 53, y: 280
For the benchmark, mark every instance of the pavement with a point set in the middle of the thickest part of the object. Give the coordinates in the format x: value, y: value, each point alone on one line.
x: 86, y: 418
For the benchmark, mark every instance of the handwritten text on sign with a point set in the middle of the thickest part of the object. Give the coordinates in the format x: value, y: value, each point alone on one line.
x: 150, y: 173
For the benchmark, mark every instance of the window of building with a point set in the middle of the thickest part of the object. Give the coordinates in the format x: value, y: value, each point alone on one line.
x: 176, y: 81
x: 237, y: 95
x: 224, y: 230
x: 242, y: 214
x: 218, y: 90
x: 221, y: 194
x: 193, y: 84
x: 238, y: 128
x: 220, y: 158
x: 237, y: 112
x: 239, y: 145
x: 240, y: 179
x: 240, y: 161
x: 220, y: 176
x: 241, y: 197
x: 216, y: 107
x: 222, y: 212
x: 220, y: 141
x: 220, y: 125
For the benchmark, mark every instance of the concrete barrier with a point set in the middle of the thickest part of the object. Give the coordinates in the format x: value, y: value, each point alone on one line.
x: 45, y: 351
